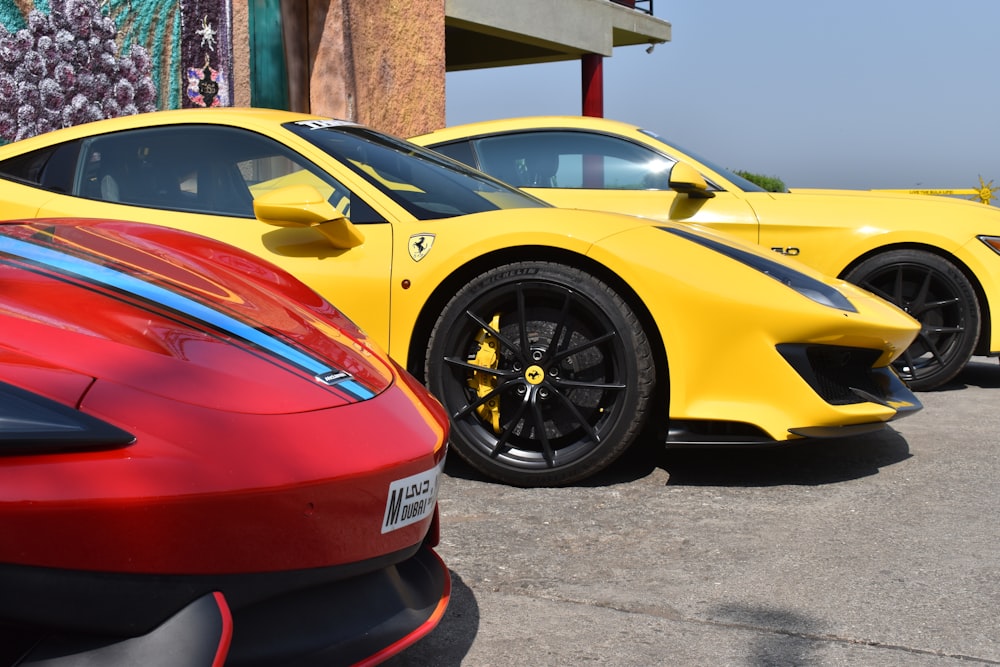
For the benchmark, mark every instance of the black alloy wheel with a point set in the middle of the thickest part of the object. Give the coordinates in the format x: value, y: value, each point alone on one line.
x: 937, y: 294
x: 545, y: 371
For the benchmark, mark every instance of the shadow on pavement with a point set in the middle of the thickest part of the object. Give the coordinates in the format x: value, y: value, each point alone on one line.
x: 981, y: 372
x: 811, y: 462
x: 779, y: 637
x: 815, y: 462
x: 450, y: 641
x: 807, y: 463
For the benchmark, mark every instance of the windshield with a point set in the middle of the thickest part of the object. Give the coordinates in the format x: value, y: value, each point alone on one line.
x: 737, y: 180
x: 426, y: 184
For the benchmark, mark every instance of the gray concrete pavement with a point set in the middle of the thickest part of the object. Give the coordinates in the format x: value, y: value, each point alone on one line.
x: 881, y: 550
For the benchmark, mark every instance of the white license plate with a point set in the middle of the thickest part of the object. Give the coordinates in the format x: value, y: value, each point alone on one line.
x: 411, y: 499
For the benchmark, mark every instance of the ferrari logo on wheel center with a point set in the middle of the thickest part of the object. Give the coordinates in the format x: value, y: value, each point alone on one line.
x: 534, y: 374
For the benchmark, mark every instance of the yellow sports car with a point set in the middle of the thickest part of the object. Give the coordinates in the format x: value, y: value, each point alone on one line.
x: 935, y: 257
x: 552, y: 336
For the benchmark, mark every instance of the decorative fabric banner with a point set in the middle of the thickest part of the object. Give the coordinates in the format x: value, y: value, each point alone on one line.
x: 206, y: 53
x: 187, y: 44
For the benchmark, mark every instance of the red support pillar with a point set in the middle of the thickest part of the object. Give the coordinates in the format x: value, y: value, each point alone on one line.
x: 593, y: 105
x: 592, y: 66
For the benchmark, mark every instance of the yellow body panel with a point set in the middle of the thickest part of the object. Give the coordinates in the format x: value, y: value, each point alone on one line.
x: 717, y: 320
x: 829, y: 230
x: 304, y: 253
x: 732, y: 334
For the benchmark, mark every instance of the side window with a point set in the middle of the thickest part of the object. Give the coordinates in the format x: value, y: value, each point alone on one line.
x: 459, y: 150
x: 51, y: 168
x: 196, y: 168
x: 267, y: 172
x: 573, y: 159
x: 263, y: 173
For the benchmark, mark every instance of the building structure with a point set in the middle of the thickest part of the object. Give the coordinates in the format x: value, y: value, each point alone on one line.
x: 380, y: 63
x: 384, y: 63
x: 485, y: 33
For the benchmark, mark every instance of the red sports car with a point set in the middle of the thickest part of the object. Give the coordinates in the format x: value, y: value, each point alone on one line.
x: 202, y: 462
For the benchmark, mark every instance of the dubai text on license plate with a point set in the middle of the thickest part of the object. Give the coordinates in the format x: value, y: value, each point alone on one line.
x: 411, y: 499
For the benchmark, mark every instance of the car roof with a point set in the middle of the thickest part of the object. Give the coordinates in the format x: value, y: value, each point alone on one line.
x: 235, y: 116
x: 466, y: 130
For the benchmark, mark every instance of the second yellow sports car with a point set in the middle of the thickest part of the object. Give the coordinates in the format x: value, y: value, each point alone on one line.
x: 937, y: 258
x: 551, y: 336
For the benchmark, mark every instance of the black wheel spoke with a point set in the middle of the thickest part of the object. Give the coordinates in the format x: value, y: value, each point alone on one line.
x: 936, y: 293
x: 931, y: 331
x: 931, y: 346
x: 522, y: 321
x: 505, y: 433
x: 544, y: 370
x: 581, y: 420
x: 547, y: 452
x: 919, y: 310
x: 504, y: 341
x: 468, y: 408
x: 462, y: 363
x: 560, y: 327
x: 906, y: 362
x: 563, y: 383
x: 897, y: 291
x: 920, y: 302
x: 482, y: 400
x: 593, y: 342
x: 889, y: 296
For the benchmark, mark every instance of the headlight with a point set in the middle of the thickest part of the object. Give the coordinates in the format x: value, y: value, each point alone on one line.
x: 992, y: 241
x: 807, y: 286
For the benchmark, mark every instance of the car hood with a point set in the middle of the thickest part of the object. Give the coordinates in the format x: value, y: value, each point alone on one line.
x: 950, y: 221
x: 889, y: 196
x: 173, y: 314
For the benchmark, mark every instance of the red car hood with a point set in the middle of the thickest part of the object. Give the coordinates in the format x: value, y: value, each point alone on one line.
x: 173, y: 314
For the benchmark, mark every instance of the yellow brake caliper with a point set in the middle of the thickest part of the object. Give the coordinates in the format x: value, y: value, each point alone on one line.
x: 488, y: 357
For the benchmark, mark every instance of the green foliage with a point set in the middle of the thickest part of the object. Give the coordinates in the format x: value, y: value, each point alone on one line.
x: 769, y: 183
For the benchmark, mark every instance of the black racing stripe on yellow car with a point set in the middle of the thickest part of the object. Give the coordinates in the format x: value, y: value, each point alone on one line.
x: 809, y: 287
x: 54, y: 261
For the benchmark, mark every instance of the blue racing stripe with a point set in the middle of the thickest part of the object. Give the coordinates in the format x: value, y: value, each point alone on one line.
x: 103, y: 275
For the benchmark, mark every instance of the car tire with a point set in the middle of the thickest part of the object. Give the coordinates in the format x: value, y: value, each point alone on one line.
x: 937, y: 294
x: 545, y: 371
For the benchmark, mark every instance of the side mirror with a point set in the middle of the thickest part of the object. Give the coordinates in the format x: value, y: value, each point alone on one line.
x: 684, y: 179
x: 304, y: 206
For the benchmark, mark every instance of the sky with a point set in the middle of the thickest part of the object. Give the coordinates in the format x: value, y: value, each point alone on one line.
x: 848, y: 94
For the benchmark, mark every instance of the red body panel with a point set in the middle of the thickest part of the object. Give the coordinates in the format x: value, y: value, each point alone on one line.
x: 243, y: 462
x: 76, y: 324
x: 203, y: 492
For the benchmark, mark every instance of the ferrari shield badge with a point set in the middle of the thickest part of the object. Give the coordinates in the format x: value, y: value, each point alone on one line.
x: 420, y: 245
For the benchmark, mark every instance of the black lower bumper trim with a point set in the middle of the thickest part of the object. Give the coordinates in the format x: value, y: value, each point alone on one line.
x: 196, y: 636
x: 837, y: 431
x: 328, y: 616
x: 344, y: 623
